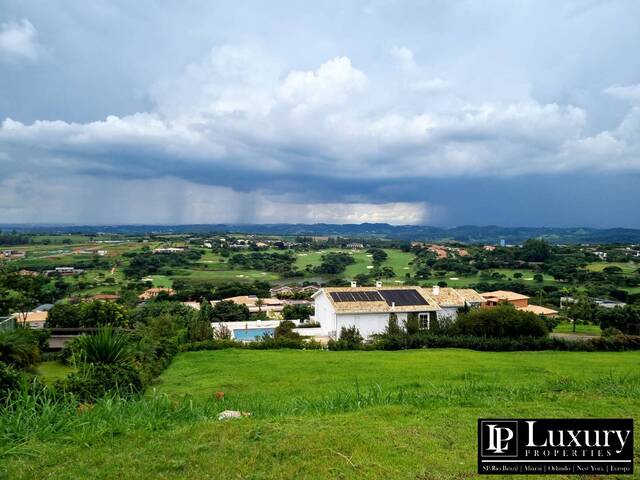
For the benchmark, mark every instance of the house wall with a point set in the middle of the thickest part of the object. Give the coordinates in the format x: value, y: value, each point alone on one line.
x: 324, y: 314
x: 367, y: 323
x: 448, y: 313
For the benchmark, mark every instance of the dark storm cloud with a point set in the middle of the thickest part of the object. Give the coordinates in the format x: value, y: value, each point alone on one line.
x: 445, y: 112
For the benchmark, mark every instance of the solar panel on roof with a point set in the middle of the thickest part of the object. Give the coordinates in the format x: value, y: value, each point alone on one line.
x: 365, y: 296
x: 403, y: 298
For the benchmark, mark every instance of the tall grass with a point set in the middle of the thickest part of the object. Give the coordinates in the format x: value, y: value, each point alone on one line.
x: 30, y: 416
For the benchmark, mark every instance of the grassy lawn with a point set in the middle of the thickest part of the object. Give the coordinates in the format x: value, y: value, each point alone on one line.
x: 627, y: 268
x: 220, y: 276
x: 161, y: 281
x: 567, y: 327
x: 455, y: 280
x: 52, y: 371
x: 399, y: 261
x: 318, y: 414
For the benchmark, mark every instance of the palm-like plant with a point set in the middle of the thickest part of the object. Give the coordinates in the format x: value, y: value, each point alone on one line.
x: 107, y: 346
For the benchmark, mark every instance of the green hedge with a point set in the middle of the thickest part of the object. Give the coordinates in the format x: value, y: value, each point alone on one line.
x: 425, y: 340
x: 268, y: 343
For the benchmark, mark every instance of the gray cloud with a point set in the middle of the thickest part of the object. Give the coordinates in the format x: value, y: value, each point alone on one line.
x: 327, y: 127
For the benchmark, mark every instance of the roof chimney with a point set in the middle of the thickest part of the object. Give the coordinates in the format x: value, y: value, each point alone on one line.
x: 353, y: 284
x: 378, y: 284
x: 436, y: 290
x: 393, y: 305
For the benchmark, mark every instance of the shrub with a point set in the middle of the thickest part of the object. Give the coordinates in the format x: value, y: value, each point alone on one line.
x: 392, y: 328
x: 350, y: 339
x: 493, y: 344
x: 412, y: 325
x: 19, y: 347
x: 285, y: 329
x: 501, y: 321
x: 93, y: 381
x: 611, y: 332
x: 107, y: 346
x: 266, y: 343
x: 10, y: 379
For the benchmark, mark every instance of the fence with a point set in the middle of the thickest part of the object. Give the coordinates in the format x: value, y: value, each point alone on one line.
x: 7, y: 323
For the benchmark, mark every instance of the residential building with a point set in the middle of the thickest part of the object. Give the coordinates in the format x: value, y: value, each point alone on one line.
x: 34, y: 319
x: 154, y: 292
x: 521, y: 302
x: 64, y: 271
x: 504, y: 296
x: 14, y: 254
x: 168, y: 250
x: 451, y: 299
x: 286, y: 290
x: 271, y: 306
x: 369, y: 308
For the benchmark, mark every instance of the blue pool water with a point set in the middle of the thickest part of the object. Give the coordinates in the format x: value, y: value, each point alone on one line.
x: 252, y: 334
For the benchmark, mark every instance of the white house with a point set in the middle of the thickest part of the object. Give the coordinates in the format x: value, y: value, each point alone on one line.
x: 451, y: 299
x: 368, y: 308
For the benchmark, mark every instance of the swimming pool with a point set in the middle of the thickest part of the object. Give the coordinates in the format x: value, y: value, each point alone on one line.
x: 252, y: 334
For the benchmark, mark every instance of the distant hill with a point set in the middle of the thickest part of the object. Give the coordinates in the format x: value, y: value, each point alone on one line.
x: 466, y: 234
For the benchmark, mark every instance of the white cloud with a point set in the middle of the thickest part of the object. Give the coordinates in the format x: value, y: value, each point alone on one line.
x: 18, y: 40
x: 627, y: 92
x: 330, y: 84
x: 243, y: 126
x: 404, y: 57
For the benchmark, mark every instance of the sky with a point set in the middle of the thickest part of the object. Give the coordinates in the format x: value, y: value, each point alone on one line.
x: 511, y: 113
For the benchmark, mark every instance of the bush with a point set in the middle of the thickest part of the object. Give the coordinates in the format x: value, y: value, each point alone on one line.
x: 429, y: 340
x: 266, y: 343
x: 107, y: 346
x: 19, y: 347
x: 611, y: 332
x: 285, y: 329
x: 502, y: 321
x: 350, y: 339
x: 10, y: 379
x: 94, y: 381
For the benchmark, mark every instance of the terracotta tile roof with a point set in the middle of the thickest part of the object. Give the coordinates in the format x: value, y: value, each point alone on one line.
x: 33, y: 317
x: 504, y: 296
x: 538, y: 310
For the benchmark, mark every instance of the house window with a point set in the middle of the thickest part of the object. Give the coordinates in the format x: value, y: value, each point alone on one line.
x: 425, y: 320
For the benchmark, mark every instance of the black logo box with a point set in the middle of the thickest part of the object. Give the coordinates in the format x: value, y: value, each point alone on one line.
x: 517, y: 446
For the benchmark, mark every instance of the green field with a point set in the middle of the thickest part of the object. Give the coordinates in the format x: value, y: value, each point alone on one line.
x: 52, y: 371
x: 399, y: 261
x: 319, y: 414
x: 567, y: 327
x: 627, y: 268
